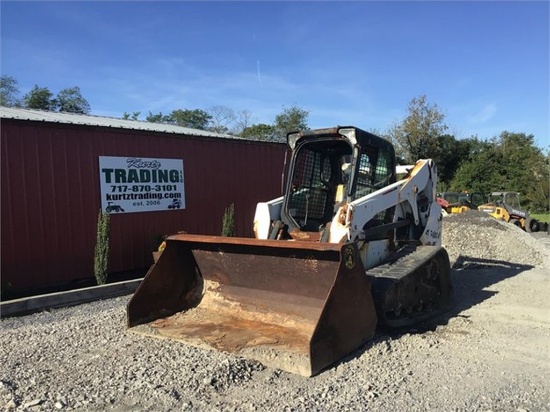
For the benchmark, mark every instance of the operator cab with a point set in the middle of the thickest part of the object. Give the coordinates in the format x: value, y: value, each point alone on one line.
x: 331, y: 167
x: 506, y: 198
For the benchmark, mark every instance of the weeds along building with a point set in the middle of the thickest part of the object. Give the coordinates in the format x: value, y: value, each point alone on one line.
x: 58, y: 170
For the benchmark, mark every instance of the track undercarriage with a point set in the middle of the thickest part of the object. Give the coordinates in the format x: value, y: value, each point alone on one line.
x: 413, y: 286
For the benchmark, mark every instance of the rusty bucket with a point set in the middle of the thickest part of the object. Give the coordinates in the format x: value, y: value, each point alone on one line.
x: 294, y: 305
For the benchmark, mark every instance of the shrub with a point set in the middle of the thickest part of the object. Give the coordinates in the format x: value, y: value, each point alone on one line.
x: 101, y: 255
x: 228, y: 225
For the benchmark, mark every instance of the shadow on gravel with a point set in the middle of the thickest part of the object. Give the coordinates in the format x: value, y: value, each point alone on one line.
x: 470, y: 276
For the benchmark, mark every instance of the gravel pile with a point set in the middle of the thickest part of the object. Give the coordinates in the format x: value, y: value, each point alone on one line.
x: 82, y: 358
x: 474, y: 239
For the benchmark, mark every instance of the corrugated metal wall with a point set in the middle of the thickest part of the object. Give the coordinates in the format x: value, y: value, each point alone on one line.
x: 51, y: 196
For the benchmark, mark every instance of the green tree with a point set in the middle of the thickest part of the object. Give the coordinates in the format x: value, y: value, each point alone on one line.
x: 448, y: 154
x: 538, y: 194
x: 9, y: 92
x: 40, y: 98
x: 70, y: 100
x: 156, y: 118
x: 482, y: 171
x: 133, y: 116
x: 194, y: 119
x: 510, y: 162
x: 526, y: 168
x: 289, y: 120
x: 260, y: 131
x: 417, y: 135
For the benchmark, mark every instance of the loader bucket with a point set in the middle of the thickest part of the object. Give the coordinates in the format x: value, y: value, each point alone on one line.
x: 294, y: 305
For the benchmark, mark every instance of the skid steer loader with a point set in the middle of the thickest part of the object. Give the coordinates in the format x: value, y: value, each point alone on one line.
x: 506, y: 206
x: 346, y: 248
x: 454, y: 202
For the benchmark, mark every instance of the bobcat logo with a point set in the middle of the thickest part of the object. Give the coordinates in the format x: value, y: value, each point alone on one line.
x: 349, y: 257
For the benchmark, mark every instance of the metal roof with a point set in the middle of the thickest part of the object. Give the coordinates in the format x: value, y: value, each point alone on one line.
x: 88, y: 120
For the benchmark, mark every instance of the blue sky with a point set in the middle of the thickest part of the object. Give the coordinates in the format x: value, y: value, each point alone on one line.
x: 485, y: 64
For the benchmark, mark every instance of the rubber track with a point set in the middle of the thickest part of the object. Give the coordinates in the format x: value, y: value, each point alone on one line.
x: 405, y: 262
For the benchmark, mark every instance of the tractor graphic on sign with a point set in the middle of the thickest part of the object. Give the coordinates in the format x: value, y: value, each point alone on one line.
x: 176, y: 204
x: 113, y: 208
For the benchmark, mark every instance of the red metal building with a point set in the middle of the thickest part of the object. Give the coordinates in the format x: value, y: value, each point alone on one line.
x: 51, y: 192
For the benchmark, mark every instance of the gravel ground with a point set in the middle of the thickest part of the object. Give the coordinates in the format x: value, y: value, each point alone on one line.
x: 490, y: 353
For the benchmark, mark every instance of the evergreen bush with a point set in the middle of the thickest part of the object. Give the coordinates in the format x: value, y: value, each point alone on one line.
x: 228, y: 225
x: 101, y: 255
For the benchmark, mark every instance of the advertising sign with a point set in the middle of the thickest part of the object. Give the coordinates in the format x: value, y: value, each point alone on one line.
x: 140, y: 184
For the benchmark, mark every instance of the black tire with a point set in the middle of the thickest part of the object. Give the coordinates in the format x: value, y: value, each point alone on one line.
x: 532, y: 225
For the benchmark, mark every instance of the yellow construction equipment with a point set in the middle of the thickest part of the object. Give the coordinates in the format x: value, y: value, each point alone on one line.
x: 346, y: 248
x: 454, y: 202
x: 507, y: 207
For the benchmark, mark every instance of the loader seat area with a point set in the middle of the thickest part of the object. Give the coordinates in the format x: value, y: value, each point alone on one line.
x: 312, y: 207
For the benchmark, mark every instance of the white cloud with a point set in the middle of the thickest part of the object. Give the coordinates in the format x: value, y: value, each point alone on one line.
x: 485, y: 114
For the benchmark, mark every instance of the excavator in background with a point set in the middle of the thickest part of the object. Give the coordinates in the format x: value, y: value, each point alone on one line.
x: 507, y: 207
x: 454, y: 202
x: 345, y: 249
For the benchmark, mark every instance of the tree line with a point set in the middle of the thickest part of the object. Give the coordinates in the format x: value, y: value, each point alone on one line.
x: 510, y: 161
x: 218, y: 119
x: 67, y: 100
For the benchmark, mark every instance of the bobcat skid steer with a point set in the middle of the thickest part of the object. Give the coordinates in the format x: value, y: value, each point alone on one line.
x: 346, y: 248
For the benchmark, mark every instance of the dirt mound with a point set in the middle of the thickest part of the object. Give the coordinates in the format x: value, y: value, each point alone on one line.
x: 475, y: 239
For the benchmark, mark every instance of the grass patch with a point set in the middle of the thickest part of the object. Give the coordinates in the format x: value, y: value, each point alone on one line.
x: 541, y: 217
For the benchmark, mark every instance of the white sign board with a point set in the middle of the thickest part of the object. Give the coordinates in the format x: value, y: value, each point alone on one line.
x: 139, y: 184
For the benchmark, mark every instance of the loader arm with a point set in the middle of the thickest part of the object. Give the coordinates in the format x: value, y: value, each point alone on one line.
x: 419, y: 183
